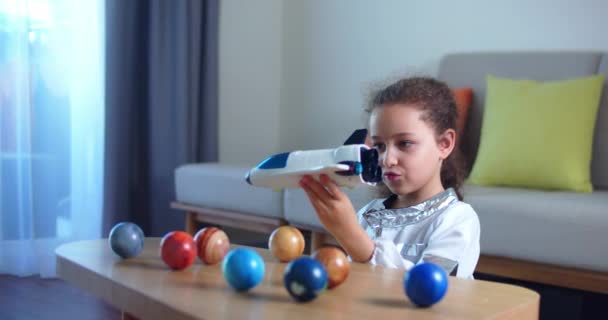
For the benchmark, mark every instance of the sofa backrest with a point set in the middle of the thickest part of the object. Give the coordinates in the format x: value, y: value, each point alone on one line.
x: 470, y: 70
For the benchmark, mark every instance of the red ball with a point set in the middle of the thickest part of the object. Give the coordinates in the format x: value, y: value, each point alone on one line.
x: 336, y: 263
x: 178, y: 250
x: 212, y: 244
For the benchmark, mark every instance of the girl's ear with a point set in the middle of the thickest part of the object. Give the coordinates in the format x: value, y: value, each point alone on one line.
x: 446, y: 143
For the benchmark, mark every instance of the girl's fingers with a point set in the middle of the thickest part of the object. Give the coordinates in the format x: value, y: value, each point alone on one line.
x: 319, y: 208
x: 314, y: 199
x: 331, y: 187
x: 316, y: 188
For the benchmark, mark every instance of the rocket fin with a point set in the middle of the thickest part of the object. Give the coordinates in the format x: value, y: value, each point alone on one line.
x: 357, y: 137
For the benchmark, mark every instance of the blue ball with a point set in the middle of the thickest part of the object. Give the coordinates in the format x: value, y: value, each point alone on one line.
x: 126, y: 239
x: 243, y: 269
x: 425, y: 284
x: 305, y: 278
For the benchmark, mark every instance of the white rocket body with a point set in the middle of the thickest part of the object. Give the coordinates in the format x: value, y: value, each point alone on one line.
x: 349, y: 165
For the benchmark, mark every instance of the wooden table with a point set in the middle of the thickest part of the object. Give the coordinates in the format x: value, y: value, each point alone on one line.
x: 145, y: 288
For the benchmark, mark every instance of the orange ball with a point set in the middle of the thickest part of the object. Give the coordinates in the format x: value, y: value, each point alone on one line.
x: 286, y: 243
x: 212, y: 244
x: 336, y: 263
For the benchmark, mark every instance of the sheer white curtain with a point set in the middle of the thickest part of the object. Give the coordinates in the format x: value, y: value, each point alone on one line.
x: 52, y: 128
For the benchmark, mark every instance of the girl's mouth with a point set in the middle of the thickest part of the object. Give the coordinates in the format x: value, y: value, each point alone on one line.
x: 391, y: 176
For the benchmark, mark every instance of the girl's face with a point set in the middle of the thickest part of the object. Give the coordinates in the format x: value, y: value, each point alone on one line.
x: 410, y: 152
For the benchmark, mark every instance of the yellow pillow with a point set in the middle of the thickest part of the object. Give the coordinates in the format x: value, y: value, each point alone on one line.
x: 538, y: 134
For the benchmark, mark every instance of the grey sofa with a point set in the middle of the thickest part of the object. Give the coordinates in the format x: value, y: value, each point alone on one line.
x: 543, y: 236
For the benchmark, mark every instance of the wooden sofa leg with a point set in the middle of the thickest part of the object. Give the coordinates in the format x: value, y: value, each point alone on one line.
x: 191, y: 224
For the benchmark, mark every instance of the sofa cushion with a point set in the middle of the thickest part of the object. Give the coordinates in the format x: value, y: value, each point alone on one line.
x: 562, y: 228
x: 470, y: 70
x: 599, y: 164
x: 464, y: 98
x: 299, y: 211
x: 538, y: 134
x: 222, y: 186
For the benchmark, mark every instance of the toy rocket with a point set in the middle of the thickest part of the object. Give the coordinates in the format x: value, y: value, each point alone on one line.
x: 349, y: 165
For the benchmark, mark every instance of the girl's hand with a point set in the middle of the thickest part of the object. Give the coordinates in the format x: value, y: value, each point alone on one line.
x: 333, y: 207
x: 338, y: 216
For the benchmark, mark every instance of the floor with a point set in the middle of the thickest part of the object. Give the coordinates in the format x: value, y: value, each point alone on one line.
x: 41, y: 299
x: 45, y: 299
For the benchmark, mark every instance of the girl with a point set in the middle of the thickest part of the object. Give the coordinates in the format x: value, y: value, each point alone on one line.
x: 412, y: 125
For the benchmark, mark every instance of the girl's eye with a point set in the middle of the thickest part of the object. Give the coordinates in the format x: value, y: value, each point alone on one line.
x: 405, y: 143
x: 379, y: 146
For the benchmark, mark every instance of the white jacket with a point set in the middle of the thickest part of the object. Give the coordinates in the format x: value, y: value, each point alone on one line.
x: 442, y: 229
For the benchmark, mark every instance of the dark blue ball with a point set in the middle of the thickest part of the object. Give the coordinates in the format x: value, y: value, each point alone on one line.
x: 425, y: 284
x: 243, y: 268
x: 126, y: 239
x: 305, y: 278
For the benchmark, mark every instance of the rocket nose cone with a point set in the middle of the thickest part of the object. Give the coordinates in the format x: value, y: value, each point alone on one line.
x: 248, y: 178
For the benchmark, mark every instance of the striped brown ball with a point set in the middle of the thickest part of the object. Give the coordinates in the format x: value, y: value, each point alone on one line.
x: 212, y: 244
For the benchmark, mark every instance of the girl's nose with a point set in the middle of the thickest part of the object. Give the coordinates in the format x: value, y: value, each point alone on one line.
x: 388, y: 159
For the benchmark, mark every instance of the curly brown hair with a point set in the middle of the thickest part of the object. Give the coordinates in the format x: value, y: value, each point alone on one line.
x: 437, y: 102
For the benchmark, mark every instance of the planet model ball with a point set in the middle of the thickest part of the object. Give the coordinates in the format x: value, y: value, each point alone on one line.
x: 212, y: 244
x: 126, y: 239
x: 425, y: 284
x: 178, y: 250
x: 286, y: 243
x: 335, y: 262
x: 243, y: 269
x: 305, y: 278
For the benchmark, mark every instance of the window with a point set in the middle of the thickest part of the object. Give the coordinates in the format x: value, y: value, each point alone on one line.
x: 51, y: 121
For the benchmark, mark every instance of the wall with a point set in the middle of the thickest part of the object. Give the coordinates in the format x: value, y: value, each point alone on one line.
x: 333, y: 52
x: 249, y: 78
